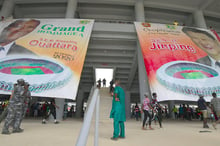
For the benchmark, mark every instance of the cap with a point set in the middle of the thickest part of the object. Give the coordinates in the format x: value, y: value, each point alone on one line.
x: 20, y: 80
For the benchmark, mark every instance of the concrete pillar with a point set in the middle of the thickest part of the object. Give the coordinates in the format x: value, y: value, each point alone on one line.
x: 143, y: 80
x: 59, y: 111
x: 7, y: 8
x: 128, y: 104
x: 139, y: 11
x: 171, y: 104
x: 199, y: 19
x: 71, y: 8
x: 79, y: 103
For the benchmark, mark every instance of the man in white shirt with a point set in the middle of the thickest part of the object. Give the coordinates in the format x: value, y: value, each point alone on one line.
x: 14, y: 31
x: 208, y: 43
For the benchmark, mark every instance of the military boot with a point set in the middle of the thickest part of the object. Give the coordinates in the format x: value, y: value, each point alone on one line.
x: 17, y: 130
x: 5, y: 132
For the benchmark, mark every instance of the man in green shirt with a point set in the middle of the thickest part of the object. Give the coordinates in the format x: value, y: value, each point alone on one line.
x: 175, y: 111
x: 118, y: 112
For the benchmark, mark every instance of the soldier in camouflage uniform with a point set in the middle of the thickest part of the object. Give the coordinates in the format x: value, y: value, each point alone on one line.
x: 5, y: 112
x: 26, y: 99
x: 15, y: 108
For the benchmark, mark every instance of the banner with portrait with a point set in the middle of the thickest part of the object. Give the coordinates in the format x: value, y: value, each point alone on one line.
x: 47, y: 53
x: 180, y: 61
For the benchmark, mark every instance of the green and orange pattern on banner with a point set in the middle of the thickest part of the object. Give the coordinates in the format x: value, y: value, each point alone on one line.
x: 60, y: 47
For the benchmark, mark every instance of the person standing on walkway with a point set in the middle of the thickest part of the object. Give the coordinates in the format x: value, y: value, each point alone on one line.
x: 215, y: 106
x: 157, y: 108
x: 137, y: 112
x: 15, y: 108
x: 203, y: 108
x: 175, y: 112
x: 52, y: 110
x: 104, y: 82
x: 26, y: 100
x: 118, y: 112
x: 99, y: 83
x: 5, y: 112
x: 146, y: 107
x: 45, y: 111
x: 111, y: 88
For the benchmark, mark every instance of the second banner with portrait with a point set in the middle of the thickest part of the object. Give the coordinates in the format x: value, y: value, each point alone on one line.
x: 180, y: 61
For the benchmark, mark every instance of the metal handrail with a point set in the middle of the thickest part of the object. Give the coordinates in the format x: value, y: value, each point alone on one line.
x: 84, y: 132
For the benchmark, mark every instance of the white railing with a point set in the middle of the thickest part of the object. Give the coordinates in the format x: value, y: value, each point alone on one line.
x: 93, y: 104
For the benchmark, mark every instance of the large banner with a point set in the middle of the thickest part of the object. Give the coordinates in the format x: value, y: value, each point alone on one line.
x: 47, y: 53
x: 180, y: 61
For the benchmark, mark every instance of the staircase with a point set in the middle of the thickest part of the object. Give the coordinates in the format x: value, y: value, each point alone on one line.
x: 105, y: 104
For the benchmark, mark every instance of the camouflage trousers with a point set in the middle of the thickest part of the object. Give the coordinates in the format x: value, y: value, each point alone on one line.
x: 4, y: 114
x: 14, y: 117
x: 24, y: 110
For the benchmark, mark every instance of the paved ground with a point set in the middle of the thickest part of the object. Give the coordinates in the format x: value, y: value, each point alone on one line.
x: 181, y: 133
x: 174, y: 133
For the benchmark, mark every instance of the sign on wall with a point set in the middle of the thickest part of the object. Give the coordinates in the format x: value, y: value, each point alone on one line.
x: 180, y: 61
x: 47, y: 53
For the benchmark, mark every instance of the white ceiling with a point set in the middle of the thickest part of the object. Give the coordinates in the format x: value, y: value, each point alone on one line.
x: 161, y: 11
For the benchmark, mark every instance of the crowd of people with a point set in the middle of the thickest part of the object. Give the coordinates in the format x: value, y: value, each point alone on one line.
x: 15, y: 109
x: 38, y: 108
x: 181, y: 112
x: 153, y: 111
x: 103, y: 82
x: 157, y: 112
